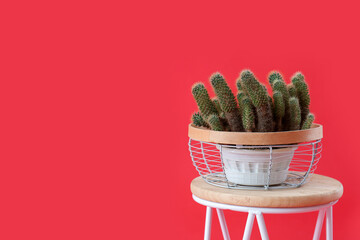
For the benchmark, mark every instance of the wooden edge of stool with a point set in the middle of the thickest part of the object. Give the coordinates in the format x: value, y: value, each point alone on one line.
x: 319, y: 190
x: 256, y: 138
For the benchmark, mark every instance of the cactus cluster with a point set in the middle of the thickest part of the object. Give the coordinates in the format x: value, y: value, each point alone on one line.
x: 253, y: 109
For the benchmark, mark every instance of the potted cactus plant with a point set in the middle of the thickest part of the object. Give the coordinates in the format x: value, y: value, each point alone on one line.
x: 253, y: 118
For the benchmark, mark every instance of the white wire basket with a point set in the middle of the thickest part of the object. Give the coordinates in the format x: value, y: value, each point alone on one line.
x: 255, y: 167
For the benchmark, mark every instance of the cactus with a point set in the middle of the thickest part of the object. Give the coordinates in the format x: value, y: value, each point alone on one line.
x: 271, y: 102
x: 274, y: 75
x: 198, y: 120
x: 280, y: 86
x: 215, y: 122
x: 227, y: 101
x: 248, y: 116
x: 271, y: 105
x: 222, y: 116
x: 308, y: 121
x: 292, y: 90
x: 252, y: 109
x: 302, y: 91
x: 203, y: 100
x: 216, y: 104
x: 295, y: 113
x: 240, y: 95
x: 259, y: 97
x: 279, y: 109
x: 238, y: 84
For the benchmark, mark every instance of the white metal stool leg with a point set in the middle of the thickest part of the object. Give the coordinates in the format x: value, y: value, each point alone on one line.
x: 252, y: 211
x: 329, y: 223
x: 208, y: 221
x: 319, y: 223
x: 249, y: 226
x: 262, y: 226
x: 223, y: 226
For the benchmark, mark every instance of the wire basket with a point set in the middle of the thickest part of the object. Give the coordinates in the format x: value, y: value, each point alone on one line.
x: 255, y: 167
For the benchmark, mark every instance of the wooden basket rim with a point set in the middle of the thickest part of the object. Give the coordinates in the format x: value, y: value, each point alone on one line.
x: 256, y: 138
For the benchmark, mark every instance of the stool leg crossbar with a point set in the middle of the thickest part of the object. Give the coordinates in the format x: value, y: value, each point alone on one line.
x: 325, y: 209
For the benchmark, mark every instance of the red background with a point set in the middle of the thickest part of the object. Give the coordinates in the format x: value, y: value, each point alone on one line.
x: 95, y: 101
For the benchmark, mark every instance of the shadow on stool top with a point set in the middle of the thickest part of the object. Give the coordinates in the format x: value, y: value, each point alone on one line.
x: 319, y: 190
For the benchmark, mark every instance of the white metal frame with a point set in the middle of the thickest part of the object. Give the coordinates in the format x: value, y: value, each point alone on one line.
x: 325, y: 209
x: 210, y: 162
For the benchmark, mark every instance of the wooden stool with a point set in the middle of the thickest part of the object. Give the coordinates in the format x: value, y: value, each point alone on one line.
x: 319, y: 194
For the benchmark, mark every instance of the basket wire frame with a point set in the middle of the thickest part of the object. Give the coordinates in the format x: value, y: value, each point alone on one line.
x: 208, y: 160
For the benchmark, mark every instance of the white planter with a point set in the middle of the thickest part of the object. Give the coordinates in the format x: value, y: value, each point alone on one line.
x: 250, y: 167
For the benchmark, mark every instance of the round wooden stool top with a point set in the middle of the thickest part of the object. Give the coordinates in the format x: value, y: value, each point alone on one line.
x: 319, y: 190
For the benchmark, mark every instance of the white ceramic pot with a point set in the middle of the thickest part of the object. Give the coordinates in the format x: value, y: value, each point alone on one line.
x: 250, y: 167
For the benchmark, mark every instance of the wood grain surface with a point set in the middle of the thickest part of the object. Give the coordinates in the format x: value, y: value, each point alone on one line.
x: 319, y: 190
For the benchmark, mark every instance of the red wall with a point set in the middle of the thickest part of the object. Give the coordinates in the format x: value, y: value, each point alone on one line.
x: 95, y: 102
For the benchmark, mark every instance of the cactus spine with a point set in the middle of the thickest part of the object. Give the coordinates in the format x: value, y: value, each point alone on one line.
x: 248, y: 116
x: 295, y: 113
x: 198, y: 120
x: 259, y: 98
x: 302, y: 91
x: 227, y: 102
x: 279, y: 109
x: 308, y: 121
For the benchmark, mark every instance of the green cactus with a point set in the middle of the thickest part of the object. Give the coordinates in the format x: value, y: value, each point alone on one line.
x: 302, y: 91
x: 308, y: 121
x: 240, y: 95
x: 295, y: 113
x: 252, y: 109
x: 203, y: 100
x: 271, y: 102
x: 227, y: 101
x: 259, y: 97
x: 215, y: 123
x: 216, y: 104
x: 222, y: 116
x: 271, y: 105
x: 280, y: 86
x: 248, y: 116
x: 238, y: 84
x: 298, y: 76
x: 274, y: 75
x: 198, y: 121
x: 292, y: 90
x: 279, y: 109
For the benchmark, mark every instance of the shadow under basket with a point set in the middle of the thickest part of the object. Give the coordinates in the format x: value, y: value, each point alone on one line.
x: 242, y: 160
